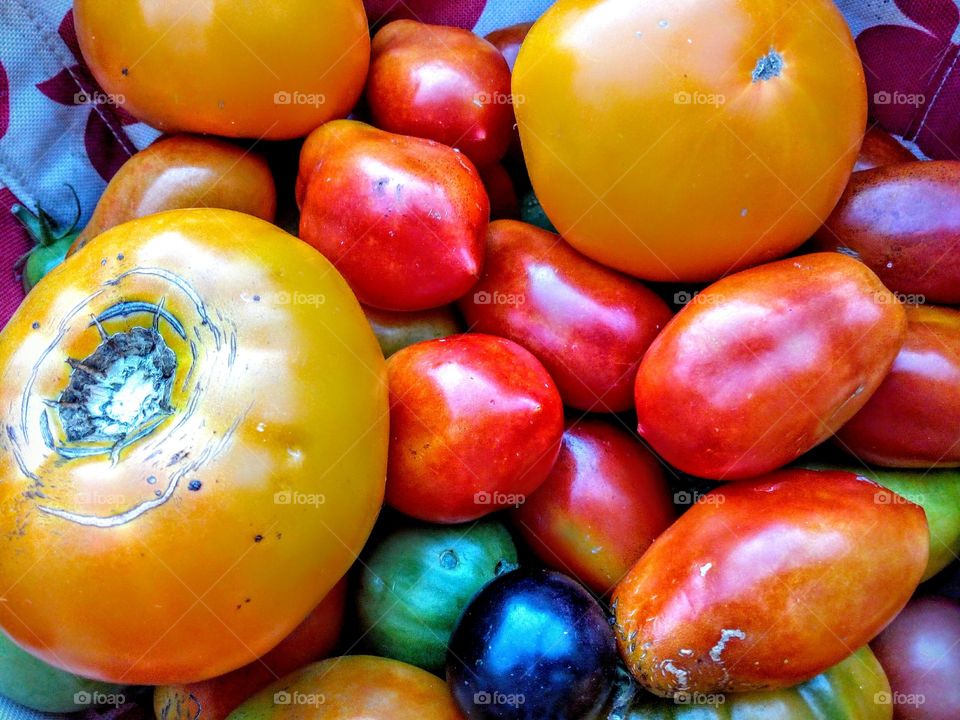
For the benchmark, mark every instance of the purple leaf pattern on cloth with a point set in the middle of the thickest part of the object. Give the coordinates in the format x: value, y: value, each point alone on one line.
x: 463, y: 13
x: 4, y: 101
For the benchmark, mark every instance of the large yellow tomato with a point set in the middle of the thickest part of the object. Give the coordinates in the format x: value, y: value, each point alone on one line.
x: 260, y: 68
x: 194, y: 435
x: 680, y: 140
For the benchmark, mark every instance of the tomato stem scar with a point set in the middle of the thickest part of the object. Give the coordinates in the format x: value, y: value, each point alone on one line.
x: 768, y: 66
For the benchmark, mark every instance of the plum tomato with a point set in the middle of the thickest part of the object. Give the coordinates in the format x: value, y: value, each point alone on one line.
x: 881, y: 148
x: 533, y: 645
x: 767, y: 363
x: 605, y: 500
x: 404, y: 219
x: 903, y: 221
x: 920, y: 650
x: 913, y: 419
x: 766, y: 583
x: 228, y: 68
x: 194, y: 415
x: 416, y: 582
x: 589, y: 325
x: 441, y: 83
x: 682, y: 141
x: 350, y: 688
x: 396, y: 330
x: 475, y: 426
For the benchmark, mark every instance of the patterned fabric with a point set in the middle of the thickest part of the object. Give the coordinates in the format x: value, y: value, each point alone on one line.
x: 57, y: 127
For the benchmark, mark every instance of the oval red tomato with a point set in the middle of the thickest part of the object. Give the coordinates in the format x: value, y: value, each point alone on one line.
x: 881, y: 148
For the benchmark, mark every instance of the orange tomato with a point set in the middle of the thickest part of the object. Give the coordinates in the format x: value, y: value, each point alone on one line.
x: 683, y: 140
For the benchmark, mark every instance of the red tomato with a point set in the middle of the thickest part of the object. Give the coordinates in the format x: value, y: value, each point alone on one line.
x: 441, y: 83
x: 903, y: 221
x: 765, y: 364
x: 587, y: 324
x: 475, y: 426
x: 605, y: 500
x: 881, y: 148
x: 508, y: 40
x: 913, y: 420
x: 403, y: 219
x: 764, y: 584
x: 504, y: 203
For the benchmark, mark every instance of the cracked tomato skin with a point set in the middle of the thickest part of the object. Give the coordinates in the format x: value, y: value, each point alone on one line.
x: 655, y: 133
x: 764, y: 584
x: 765, y: 364
x: 249, y: 70
x: 179, y: 546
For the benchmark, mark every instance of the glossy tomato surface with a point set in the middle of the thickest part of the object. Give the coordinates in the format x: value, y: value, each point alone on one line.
x: 404, y: 219
x: 475, y: 426
x: 605, y: 500
x: 769, y: 583
x: 913, y: 419
x: 903, y: 221
x: 656, y: 134
x: 589, y: 325
x: 254, y: 69
x: 881, y: 148
x: 442, y: 83
x: 533, y: 644
x: 767, y: 363
x: 196, y: 428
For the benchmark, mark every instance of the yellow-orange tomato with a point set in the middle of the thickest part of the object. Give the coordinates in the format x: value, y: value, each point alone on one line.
x: 194, y: 416
x: 240, y: 69
x: 683, y: 140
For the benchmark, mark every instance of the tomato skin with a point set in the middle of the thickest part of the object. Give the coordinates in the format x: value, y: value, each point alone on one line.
x: 184, y: 171
x: 587, y: 324
x: 214, y: 699
x: 750, y: 588
x: 397, y: 330
x: 227, y: 495
x: 475, y: 426
x: 654, y: 151
x: 913, y: 419
x: 881, y: 148
x: 267, y: 73
x: 402, y: 218
x: 353, y: 687
x: 441, y: 83
x: 508, y: 41
x: 504, y: 203
x: 903, y: 221
x: 605, y: 500
x: 766, y: 364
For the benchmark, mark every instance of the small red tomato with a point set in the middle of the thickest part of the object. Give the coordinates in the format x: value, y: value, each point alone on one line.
x: 767, y: 363
x: 880, y: 148
x: 913, y: 419
x: 508, y: 40
x: 504, y: 203
x: 475, y: 426
x: 403, y: 219
x: 764, y: 584
x: 903, y: 221
x: 441, y: 83
x: 589, y: 325
x: 601, y: 506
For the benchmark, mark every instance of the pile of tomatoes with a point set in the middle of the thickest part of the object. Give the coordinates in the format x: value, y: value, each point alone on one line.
x: 599, y: 369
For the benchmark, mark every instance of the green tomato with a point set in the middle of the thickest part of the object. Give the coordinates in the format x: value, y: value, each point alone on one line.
x: 416, y: 582
x: 396, y: 330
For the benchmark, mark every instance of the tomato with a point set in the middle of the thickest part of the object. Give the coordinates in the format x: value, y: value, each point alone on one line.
x: 903, y: 221
x: 504, y: 203
x: 605, y: 500
x: 213, y: 699
x: 184, y: 171
x: 587, y: 324
x: 350, y: 688
x: 442, y: 83
x: 50, y: 242
x: 765, y: 584
x: 508, y: 41
x: 402, y: 218
x: 227, y: 68
x: 913, y: 419
x: 880, y: 148
x: 920, y: 651
x: 533, y: 644
x: 682, y: 141
x: 853, y: 689
x: 396, y: 330
x: 195, y: 416
x: 765, y: 364
x: 475, y: 426
x: 417, y: 581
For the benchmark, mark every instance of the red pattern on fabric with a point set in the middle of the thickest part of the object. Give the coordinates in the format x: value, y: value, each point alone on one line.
x: 14, y: 242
